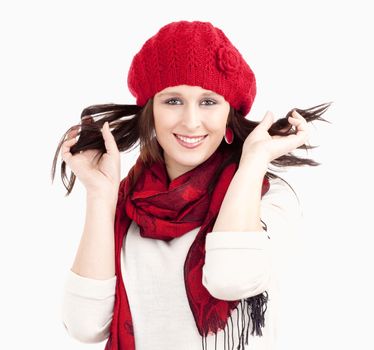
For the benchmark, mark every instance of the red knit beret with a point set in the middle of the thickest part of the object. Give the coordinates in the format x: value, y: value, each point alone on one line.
x: 192, y: 53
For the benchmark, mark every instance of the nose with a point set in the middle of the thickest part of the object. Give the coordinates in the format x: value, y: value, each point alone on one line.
x: 191, y: 117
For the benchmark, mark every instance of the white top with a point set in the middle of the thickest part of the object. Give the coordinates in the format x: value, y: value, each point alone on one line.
x: 237, y: 265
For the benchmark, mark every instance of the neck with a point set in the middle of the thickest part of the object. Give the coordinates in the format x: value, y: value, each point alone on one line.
x: 174, y: 172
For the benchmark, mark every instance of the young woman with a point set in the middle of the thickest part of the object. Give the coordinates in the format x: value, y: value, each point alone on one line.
x: 182, y: 253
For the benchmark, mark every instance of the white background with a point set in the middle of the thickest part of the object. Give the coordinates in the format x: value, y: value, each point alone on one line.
x: 58, y: 57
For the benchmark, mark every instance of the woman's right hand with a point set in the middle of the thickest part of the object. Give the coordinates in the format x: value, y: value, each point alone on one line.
x: 100, y: 178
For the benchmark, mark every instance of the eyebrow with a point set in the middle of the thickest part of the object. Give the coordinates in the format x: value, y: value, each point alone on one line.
x: 179, y: 94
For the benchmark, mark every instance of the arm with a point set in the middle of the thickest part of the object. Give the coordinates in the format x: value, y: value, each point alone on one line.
x: 242, y: 264
x: 95, y: 255
x: 235, y: 267
x: 90, y: 287
x: 87, y: 307
x: 88, y: 300
x: 240, y: 209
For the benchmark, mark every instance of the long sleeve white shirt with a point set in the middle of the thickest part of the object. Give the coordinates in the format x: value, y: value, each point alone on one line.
x: 237, y: 265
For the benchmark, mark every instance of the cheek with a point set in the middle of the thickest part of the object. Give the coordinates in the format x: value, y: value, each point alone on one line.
x: 159, y: 119
x: 219, y: 124
x: 163, y: 125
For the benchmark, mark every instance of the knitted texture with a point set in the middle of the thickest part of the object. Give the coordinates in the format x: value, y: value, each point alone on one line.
x: 192, y: 53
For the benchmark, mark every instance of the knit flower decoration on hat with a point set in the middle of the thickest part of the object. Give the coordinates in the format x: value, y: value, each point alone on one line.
x: 228, y: 60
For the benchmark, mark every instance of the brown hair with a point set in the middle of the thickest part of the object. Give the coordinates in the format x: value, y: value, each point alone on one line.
x: 140, y: 127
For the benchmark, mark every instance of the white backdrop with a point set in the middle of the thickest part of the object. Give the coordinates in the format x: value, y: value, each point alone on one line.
x: 60, y: 56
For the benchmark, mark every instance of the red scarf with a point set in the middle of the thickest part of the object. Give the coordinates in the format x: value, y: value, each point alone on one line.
x: 166, y: 210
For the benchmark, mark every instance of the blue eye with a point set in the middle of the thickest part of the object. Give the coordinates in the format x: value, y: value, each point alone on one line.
x: 211, y: 102
x: 172, y: 99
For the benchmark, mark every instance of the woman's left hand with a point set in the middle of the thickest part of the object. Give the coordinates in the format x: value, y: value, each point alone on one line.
x: 260, y: 144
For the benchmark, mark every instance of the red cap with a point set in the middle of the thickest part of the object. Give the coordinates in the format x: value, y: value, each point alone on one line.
x: 192, y: 53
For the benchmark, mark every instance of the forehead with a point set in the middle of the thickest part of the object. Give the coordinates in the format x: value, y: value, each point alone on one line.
x: 186, y: 90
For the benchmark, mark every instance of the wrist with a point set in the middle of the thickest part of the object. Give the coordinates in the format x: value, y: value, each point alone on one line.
x: 255, y: 163
x: 107, y: 199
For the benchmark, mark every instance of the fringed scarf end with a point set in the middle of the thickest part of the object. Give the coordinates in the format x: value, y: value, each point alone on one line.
x: 258, y: 306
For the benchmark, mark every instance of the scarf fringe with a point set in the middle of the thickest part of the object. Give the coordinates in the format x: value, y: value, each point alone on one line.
x: 256, y: 307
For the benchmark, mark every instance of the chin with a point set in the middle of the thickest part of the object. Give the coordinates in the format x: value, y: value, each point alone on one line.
x: 187, y: 160
x: 194, y: 160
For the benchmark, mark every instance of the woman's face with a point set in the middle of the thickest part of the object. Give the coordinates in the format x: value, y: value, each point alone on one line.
x: 190, y: 123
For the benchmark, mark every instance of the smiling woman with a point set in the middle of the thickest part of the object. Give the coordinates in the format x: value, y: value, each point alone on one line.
x: 187, y: 245
x: 191, y: 130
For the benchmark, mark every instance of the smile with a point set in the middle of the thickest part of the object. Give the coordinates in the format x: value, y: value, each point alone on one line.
x: 189, y: 142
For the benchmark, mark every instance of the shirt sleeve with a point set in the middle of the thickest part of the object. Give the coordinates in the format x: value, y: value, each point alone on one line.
x: 243, y: 264
x: 87, y: 307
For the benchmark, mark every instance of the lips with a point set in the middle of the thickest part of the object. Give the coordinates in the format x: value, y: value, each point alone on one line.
x: 189, y: 144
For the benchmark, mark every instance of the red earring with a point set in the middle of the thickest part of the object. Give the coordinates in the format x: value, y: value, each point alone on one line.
x: 229, y: 135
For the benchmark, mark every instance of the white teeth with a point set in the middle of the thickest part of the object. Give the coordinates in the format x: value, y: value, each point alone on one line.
x: 189, y: 139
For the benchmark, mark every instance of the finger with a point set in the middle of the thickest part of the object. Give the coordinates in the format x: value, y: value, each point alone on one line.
x: 296, y: 114
x: 301, y: 133
x: 299, y: 117
x: 290, y: 142
x: 68, y: 143
x: 267, y: 121
x: 110, y: 143
x: 66, y: 155
x: 73, y: 133
x: 65, y: 149
x: 300, y: 124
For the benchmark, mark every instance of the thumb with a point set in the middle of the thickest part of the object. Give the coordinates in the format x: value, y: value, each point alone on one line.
x: 110, y: 143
